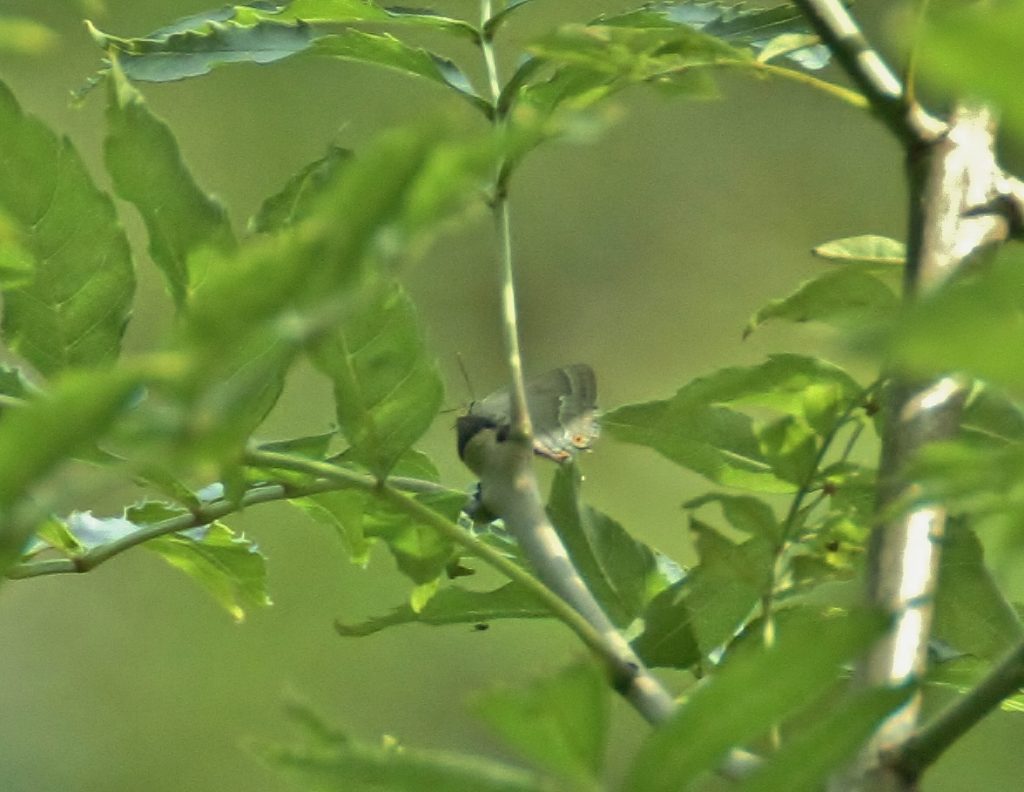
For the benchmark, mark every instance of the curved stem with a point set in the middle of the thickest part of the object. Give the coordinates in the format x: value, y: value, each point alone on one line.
x: 196, y: 518
x: 503, y: 228
x: 448, y: 529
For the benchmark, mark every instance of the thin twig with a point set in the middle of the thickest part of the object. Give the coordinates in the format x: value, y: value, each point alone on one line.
x: 196, y: 518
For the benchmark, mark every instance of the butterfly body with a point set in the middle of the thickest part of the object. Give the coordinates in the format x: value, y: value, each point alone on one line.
x: 563, y: 409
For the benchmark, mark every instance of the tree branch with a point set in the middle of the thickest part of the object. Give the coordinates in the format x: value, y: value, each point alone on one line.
x: 931, y: 741
x: 840, y: 33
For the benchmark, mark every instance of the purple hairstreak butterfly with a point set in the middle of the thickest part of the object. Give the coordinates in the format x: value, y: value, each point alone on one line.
x: 563, y: 409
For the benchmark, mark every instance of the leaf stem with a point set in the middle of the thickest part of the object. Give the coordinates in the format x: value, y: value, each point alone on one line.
x: 448, y: 529
x: 196, y: 518
x: 503, y: 228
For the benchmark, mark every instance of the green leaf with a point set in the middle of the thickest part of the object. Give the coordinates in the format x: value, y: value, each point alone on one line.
x: 733, y: 22
x: 327, y: 760
x: 696, y: 428
x: 74, y: 309
x: 145, y: 163
x: 385, y: 50
x: 36, y: 438
x: 744, y: 512
x: 319, y: 11
x: 179, y: 54
x: 807, y: 760
x: 668, y: 639
x: 971, y: 613
x: 991, y: 414
x: 560, y: 723
x: 968, y: 325
x: 386, y: 390
x: 343, y: 512
x: 838, y: 298
x: 621, y: 572
x: 974, y: 51
x: 298, y: 195
x: 456, y: 605
x: 805, y: 663
x: 230, y: 567
x: 191, y: 53
x: 872, y: 251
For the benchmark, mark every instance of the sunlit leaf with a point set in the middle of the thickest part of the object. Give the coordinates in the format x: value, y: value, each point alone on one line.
x: 559, y: 723
x: 456, y: 605
x: 74, y: 309
x: 703, y: 429
x: 837, y: 298
x: 146, y: 165
x: 868, y: 250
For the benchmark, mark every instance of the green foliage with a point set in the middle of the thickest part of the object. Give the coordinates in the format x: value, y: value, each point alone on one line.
x: 55, y: 224
x: 318, y: 276
x: 386, y: 390
x: 560, y: 724
x: 804, y: 665
x: 326, y: 760
x: 699, y: 430
x: 973, y: 49
x: 145, y: 164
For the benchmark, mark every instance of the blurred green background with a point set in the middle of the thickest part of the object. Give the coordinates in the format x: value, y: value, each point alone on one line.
x: 642, y: 252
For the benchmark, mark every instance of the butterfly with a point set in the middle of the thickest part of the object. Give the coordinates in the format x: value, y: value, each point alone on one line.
x: 563, y: 409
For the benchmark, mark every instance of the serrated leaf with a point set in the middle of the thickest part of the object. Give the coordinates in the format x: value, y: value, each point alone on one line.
x: 805, y: 663
x: 192, y: 53
x: 559, y: 723
x: 456, y: 605
x: 621, y: 572
x: 698, y: 428
x: 195, y: 52
x: 838, y: 298
x: 295, y: 199
x: 387, y: 51
x: 868, y: 249
x: 971, y: 613
x: 386, y: 390
x: 327, y: 760
x: 74, y: 309
x: 146, y: 165
x: 230, y: 567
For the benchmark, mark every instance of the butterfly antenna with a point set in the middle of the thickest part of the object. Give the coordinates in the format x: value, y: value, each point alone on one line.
x: 465, y: 376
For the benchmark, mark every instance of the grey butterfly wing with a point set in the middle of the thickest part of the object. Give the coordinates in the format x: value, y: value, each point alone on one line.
x: 563, y: 407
